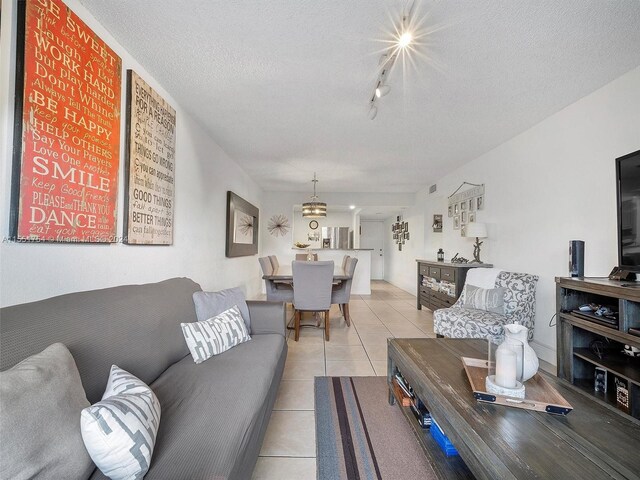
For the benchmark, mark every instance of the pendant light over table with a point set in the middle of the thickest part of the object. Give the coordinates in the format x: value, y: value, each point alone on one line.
x: 314, y: 208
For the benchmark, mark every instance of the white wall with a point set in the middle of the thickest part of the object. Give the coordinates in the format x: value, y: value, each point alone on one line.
x: 551, y: 184
x: 203, y: 175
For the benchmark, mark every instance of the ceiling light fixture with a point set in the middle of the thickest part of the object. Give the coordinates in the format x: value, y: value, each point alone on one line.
x: 387, y: 61
x: 314, y: 208
x: 405, y: 39
x: 382, y: 90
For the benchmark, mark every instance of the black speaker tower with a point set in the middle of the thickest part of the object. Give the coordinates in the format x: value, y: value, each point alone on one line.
x: 576, y: 258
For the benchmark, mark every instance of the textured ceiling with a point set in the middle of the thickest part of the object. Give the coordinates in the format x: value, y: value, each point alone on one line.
x: 283, y: 85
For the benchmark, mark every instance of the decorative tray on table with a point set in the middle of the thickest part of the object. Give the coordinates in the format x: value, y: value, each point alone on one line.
x: 539, y: 394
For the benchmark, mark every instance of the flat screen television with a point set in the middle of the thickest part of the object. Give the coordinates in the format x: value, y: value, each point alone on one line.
x: 628, y: 189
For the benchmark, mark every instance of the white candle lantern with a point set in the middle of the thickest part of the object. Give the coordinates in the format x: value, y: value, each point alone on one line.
x: 505, y: 372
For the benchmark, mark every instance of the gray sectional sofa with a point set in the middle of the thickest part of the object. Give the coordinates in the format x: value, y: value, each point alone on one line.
x: 214, y: 415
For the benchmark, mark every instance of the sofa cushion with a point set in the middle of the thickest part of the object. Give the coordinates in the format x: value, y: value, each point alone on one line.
x: 488, y: 299
x: 211, y: 412
x: 216, y: 335
x: 210, y: 304
x: 120, y: 430
x: 40, y: 403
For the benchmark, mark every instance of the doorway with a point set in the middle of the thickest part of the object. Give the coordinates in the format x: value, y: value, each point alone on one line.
x: 372, y: 236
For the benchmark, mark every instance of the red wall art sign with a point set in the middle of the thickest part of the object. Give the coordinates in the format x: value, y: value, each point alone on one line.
x: 66, y: 159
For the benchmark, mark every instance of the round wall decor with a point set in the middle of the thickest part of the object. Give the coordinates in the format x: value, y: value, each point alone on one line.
x: 313, y: 224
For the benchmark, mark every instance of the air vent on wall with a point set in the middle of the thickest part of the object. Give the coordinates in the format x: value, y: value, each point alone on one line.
x: 433, y: 188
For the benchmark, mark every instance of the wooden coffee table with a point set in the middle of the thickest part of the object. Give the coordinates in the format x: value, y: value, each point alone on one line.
x: 594, y: 441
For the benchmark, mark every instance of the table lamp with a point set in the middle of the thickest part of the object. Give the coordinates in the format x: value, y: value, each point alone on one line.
x: 478, y: 230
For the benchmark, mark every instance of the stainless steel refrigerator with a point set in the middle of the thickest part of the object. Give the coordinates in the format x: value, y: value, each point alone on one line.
x: 336, y: 238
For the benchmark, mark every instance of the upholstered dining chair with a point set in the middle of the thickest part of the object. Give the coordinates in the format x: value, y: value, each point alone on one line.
x: 341, y: 294
x: 312, y: 291
x: 276, y: 291
x: 276, y: 264
x: 344, y: 262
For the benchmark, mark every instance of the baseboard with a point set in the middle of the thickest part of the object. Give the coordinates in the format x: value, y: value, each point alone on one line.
x: 545, y: 352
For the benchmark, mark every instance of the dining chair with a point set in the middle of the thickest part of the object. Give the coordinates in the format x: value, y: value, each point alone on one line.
x: 344, y: 262
x: 276, y: 291
x: 302, y: 257
x: 276, y: 264
x: 312, y: 291
x: 345, y: 259
x: 341, y: 294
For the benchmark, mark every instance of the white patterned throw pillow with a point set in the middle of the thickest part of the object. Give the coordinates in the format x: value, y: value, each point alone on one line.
x: 119, y: 431
x: 215, y: 335
x: 487, y: 299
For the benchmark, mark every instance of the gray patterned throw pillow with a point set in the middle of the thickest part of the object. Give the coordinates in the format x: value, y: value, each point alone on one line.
x: 119, y: 431
x: 487, y: 299
x: 215, y: 335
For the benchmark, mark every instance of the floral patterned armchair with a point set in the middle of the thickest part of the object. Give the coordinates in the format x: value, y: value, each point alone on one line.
x: 519, y: 307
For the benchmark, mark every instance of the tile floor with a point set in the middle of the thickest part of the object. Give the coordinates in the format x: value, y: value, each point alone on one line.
x: 289, y: 448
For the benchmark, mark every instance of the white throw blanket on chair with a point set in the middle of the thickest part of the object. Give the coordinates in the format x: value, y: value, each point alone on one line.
x: 483, y: 277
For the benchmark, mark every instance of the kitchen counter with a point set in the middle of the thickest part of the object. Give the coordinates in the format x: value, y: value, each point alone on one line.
x: 339, y: 249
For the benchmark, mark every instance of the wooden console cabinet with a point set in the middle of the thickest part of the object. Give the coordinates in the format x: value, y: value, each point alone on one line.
x: 436, y: 272
x: 584, y: 342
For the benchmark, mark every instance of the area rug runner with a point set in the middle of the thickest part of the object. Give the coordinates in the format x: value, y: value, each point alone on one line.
x: 360, y: 436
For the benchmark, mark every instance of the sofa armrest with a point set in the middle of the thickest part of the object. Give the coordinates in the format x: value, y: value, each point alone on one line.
x: 267, y: 317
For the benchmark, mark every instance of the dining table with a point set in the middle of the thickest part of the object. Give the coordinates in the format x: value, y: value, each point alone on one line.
x: 284, y: 273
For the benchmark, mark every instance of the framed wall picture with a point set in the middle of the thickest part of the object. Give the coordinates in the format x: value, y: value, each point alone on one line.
x: 437, y: 223
x: 66, y: 155
x: 149, y: 165
x: 242, y: 227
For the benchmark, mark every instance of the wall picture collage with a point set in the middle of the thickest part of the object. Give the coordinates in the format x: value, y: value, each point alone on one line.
x: 400, y: 232
x: 463, y: 207
x: 66, y: 156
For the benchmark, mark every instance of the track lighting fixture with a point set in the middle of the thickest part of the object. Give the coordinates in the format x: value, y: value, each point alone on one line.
x: 405, y: 40
x: 401, y: 44
x: 382, y: 90
x: 373, y: 111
